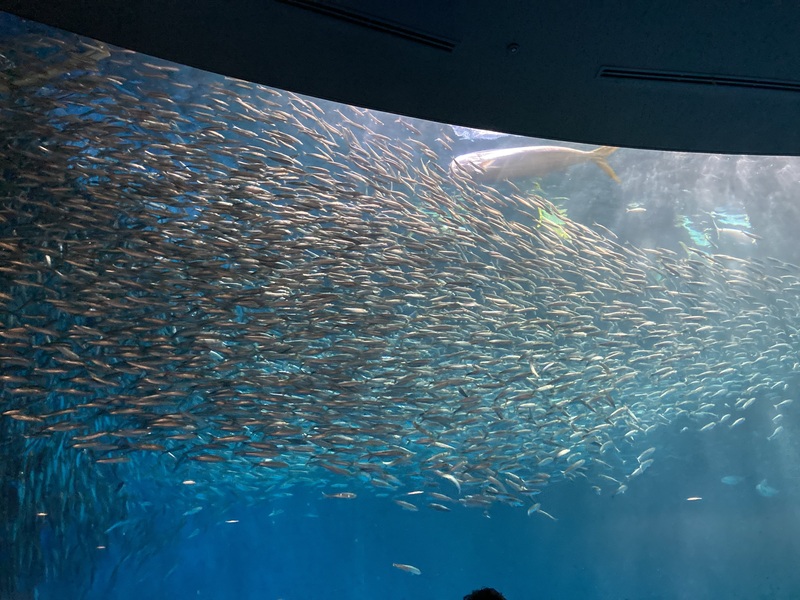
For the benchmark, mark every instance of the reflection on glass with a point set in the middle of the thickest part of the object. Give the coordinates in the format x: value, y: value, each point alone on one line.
x: 258, y: 345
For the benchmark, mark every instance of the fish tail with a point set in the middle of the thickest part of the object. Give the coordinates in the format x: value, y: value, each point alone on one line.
x: 600, y: 155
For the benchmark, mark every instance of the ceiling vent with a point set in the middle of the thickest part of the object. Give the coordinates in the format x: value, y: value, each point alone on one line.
x: 374, y: 22
x: 719, y: 81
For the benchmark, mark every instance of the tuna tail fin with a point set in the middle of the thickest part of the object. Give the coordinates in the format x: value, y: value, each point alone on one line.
x: 599, y: 157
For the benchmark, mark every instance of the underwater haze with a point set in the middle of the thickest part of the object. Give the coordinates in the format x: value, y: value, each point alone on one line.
x: 260, y: 346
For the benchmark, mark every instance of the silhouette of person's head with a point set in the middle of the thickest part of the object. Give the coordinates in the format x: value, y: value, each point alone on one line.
x: 485, y: 594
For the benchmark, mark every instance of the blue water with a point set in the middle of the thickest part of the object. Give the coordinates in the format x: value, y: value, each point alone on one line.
x: 648, y: 543
x: 162, y: 526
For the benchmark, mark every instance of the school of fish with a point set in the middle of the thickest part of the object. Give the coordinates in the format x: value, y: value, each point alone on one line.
x: 243, y: 290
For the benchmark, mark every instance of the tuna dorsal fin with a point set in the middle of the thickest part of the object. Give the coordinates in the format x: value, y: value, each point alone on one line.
x: 600, y: 155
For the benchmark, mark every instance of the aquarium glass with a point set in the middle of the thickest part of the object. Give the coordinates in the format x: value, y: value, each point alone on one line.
x: 260, y: 346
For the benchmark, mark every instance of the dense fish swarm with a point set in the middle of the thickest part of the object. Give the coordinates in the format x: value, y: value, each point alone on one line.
x: 209, y: 281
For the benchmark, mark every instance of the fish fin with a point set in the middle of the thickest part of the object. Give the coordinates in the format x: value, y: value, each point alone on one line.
x: 714, y: 222
x: 600, y: 155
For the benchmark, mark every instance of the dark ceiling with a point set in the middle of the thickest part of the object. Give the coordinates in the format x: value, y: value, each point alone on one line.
x: 696, y: 75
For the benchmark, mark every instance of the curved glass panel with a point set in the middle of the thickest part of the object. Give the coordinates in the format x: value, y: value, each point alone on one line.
x: 257, y: 345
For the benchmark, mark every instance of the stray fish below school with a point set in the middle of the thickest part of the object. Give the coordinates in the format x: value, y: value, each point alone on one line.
x: 732, y: 479
x: 407, y: 568
x: 766, y: 490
